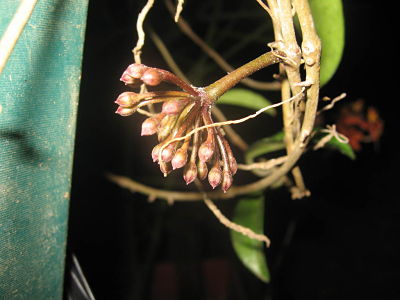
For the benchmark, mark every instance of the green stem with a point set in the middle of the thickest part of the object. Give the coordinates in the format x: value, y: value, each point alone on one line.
x: 218, y: 88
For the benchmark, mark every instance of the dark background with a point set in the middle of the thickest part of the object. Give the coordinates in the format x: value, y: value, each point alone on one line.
x: 343, y: 240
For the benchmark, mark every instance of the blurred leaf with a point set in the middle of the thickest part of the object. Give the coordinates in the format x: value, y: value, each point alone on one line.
x: 249, y: 212
x: 329, y: 21
x: 343, y: 148
x: 334, y: 144
x: 246, y: 98
x: 264, y: 146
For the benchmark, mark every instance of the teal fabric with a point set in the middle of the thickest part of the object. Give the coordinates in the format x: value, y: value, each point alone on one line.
x: 39, y: 91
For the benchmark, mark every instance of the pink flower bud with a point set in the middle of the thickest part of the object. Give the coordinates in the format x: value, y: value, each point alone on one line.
x: 227, y: 180
x: 127, y: 79
x: 150, y: 126
x: 136, y: 70
x: 151, y: 77
x: 128, y: 99
x: 155, y: 152
x: 232, y: 159
x: 205, y: 152
x: 233, y: 165
x: 168, y: 153
x: 125, y: 111
x: 202, y: 169
x: 172, y: 107
x: 190, y: 172
x: 215, y: 177
x: 165, y: 168
x: 180, y: 159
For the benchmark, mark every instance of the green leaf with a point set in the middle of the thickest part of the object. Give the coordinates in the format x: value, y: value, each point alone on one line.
x: 329, y: 21
x: 343, y: 148
x: 334, y: 144
x: 249, y: 212
x: 246, y: 98
x: 264, y: 146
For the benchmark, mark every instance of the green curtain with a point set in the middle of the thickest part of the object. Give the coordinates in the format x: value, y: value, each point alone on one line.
x: 39, y: 91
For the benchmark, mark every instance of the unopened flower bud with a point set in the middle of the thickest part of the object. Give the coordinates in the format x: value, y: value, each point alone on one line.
x: 168, y: 153
x: 136, y: 70
x: 155, y: 152
x: 205, y: 152
x: 215, y: 177
x: 180, y: 159
x: 128, y: 99
x: 125, y: 111
x: 151, y: 77
x: 150, y: 126
x: 165, y: 168
x: 127, y: 79
x: 227, y: 180
x: 231, y: 157
x: 233, y: 165
x: 202, y: 169
x: 190, y: 172
x: 172, y: 107
x: 165, y: 127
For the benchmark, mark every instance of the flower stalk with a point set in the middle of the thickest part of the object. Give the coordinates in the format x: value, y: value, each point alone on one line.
x: 218, y: 88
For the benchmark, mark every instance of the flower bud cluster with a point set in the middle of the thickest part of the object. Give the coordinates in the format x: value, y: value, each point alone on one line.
x: 203, y: 153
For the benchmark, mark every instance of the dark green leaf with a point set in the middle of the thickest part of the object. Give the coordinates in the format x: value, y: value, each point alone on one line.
x: 264, y: 146
x: 334, y: 144
x: 329, y: 21
x: 246, y: 98
x: 249, y: 212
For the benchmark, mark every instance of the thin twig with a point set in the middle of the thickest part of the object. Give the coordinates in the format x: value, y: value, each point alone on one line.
x: 234, y: 226
x: 137, y: 51
x: 228, y: 223
x: 264, y: 165
x: 14, y: 30
x: 265, y: 7
x: 179, y: 8
x: 234, y: 137
x: 153, y: 193
x: 333, y: 102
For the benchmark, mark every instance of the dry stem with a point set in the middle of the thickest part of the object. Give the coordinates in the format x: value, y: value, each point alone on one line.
x: 265, y: 7
x: 179, y: 8
x: 137, y: 51
x: 226, y: 222
x: 264, y: 165
x: 236, y: 227
x: 333, y: 102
